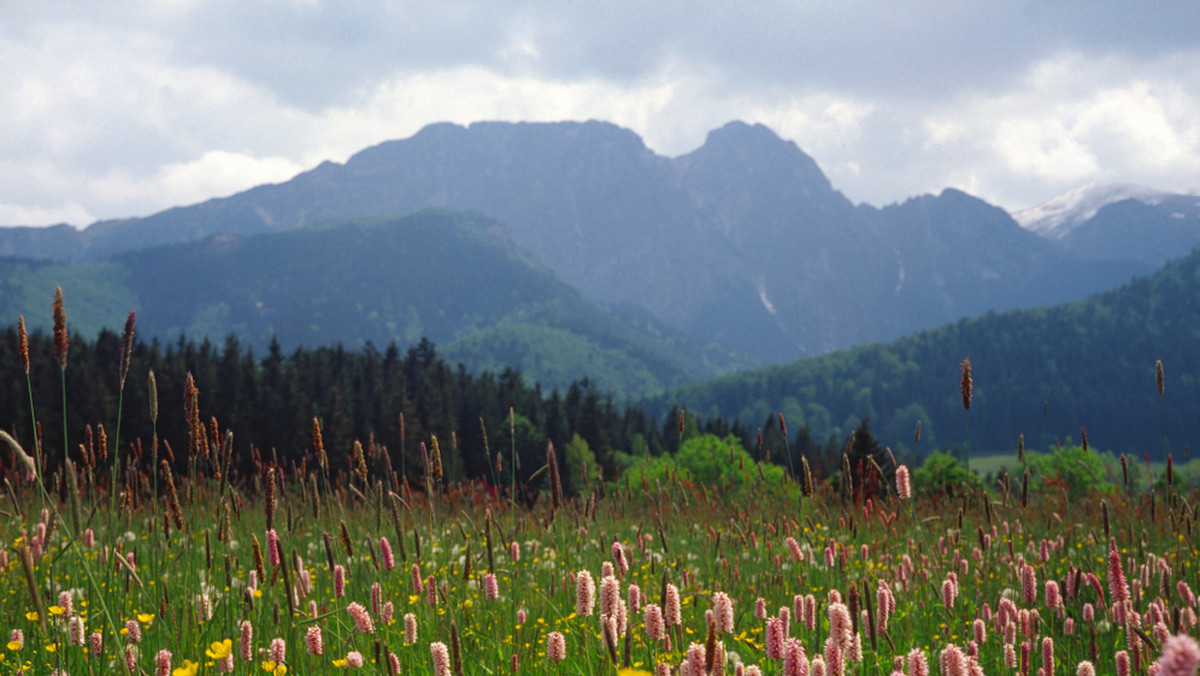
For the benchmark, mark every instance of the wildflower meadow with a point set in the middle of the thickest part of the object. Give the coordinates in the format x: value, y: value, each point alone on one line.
x: 152, y: 556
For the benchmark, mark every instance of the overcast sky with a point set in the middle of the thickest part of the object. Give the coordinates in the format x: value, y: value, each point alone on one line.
x: 113, y: 109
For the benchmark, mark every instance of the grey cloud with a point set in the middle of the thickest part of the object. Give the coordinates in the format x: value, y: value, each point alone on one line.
x: 314, y: 54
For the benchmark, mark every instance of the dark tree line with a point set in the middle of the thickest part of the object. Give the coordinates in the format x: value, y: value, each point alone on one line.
x: 269, y: 403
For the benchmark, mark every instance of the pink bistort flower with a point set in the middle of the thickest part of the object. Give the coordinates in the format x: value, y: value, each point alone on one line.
x: 585, y: 593
x: 441, y: 658
x: 362, y: 619
x: 385, y: 553
x: 556, y: 646
x: 314, y: 641
x: 1180, y: 656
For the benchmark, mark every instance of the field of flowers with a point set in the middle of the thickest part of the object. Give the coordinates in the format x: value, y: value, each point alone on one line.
x: 308, y: 569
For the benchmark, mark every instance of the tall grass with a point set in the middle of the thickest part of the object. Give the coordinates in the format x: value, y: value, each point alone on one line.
x: 293, y: 569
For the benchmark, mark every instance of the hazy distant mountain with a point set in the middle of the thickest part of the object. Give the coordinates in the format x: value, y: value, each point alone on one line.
x: 455, y: 279
x: 1117, y: 221
x: 743, y: 241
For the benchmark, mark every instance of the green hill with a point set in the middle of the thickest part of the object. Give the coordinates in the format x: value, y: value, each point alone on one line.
x: 1045, y: 373
x: 452, y: 278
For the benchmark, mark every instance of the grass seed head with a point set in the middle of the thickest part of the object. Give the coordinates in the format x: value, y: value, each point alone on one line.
x: 62, y: 341
x: 22, y: 457
x: 127, y: 346
x: 966, y: 384
x: 23, y: 343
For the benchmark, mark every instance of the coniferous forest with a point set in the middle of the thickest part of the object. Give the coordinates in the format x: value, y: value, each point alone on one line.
x: 386, y: 399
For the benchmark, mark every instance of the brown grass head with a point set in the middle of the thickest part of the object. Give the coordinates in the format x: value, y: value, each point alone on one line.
x: 61, y: 341
x: 360, y: 461
x: 173, y: 508
x: 1158, y: 376
x: 259, y: 566
x: 345, y: 535
x: 319, y: 443
x: 153, y: 385
x: 127, y: 345
x: 101, y: 443
x: 272, y: 500
x: 23, y: 343
x: 435, y: 460
x: 966, y: 384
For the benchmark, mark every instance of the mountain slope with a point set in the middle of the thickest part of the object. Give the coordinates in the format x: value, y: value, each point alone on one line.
x: 448, y: 277
x: 743, y: 241
x: 1044, y: 373
x: 1102, y: 222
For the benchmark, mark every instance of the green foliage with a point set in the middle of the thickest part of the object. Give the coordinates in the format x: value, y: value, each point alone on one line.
x: 713, y: 461
x: 942, y: 473
x: 1079, y: 469
x: 576, y: 456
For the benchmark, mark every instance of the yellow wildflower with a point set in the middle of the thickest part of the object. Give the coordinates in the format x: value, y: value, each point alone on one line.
x: 219, y: 650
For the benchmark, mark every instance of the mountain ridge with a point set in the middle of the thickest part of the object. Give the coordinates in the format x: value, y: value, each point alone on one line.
x: 743, y: 240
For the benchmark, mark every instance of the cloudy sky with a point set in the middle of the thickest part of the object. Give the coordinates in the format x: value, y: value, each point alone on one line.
x: 113, y: 109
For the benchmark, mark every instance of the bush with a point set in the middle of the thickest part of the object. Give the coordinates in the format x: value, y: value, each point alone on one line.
x: 942, y: 473
x: 709, y: 460
x: 1079, y: 469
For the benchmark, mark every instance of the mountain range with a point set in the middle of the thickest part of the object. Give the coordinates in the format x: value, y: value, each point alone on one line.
x: 741, y: 248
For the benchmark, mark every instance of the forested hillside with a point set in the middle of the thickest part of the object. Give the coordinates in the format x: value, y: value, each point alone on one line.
x: 453, y: 278
x: 1045, y: 373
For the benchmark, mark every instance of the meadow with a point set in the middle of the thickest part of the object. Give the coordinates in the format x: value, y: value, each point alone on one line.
x: 156, y: 557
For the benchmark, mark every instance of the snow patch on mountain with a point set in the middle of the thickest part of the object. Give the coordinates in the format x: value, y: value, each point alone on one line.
x: 762, y: 296
x: 1060, y: 215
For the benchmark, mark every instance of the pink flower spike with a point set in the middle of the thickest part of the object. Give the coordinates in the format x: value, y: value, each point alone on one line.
x: 247, y: 641
x: 410, y: 628
x: 362, y: 619
x: 162, y: 663
x: 1180, y: 656
x: 273, y: 548
x: 314, y: 641
x: 339, y: 580
x: 441, y: 658
x: 385, y: 553
x: 585, y: 593
x: 556, y: 647
x: 903, y: 483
